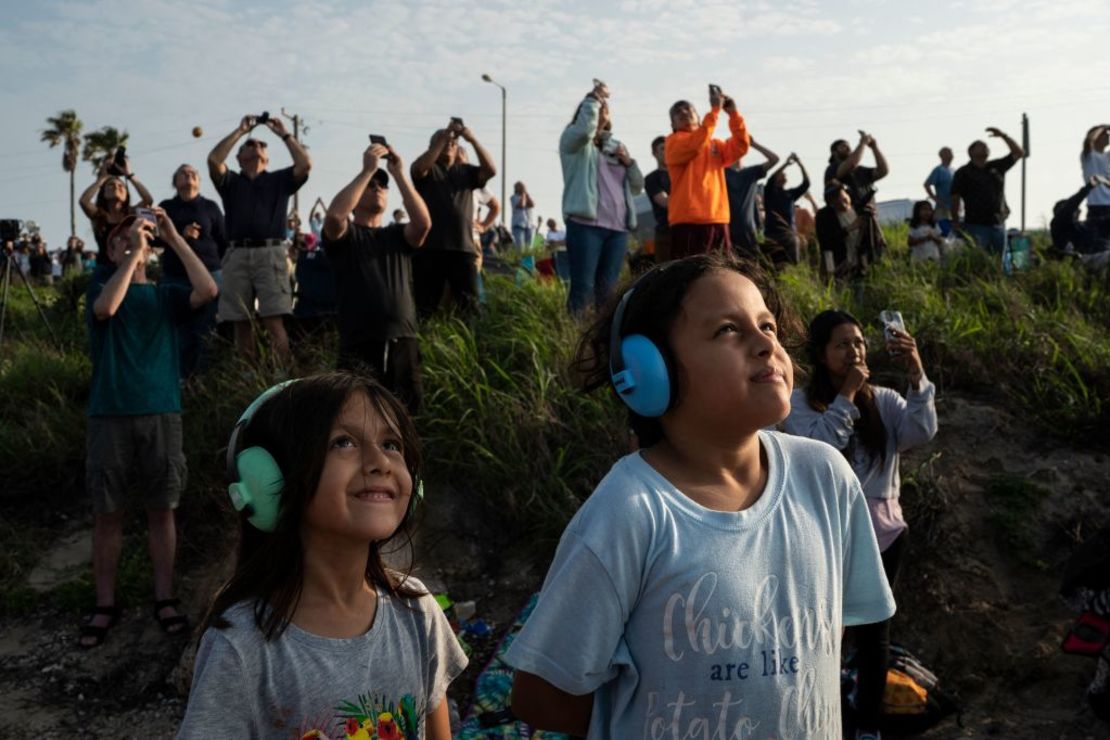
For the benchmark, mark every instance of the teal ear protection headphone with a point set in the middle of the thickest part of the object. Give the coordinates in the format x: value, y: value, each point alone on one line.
x: 637, y: 367
x: 256, y: 481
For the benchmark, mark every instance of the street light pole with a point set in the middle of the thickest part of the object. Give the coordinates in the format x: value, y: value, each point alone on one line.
x: 502, y: 167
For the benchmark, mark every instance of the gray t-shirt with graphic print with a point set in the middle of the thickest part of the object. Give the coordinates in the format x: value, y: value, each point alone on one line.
x: 385, y: 680
x: 687, y: 622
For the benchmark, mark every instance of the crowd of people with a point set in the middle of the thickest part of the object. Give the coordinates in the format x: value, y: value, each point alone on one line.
x: 702, y: 610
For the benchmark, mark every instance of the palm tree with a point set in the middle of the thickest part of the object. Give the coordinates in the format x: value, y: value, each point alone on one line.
x: 65, y: 128
x: 101, y: 144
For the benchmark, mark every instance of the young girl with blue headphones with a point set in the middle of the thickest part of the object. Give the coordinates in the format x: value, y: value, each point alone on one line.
x: 701, y: 590
x: 312, y: 635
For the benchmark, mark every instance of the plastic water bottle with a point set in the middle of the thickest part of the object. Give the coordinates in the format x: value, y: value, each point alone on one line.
x: 1007, y: 261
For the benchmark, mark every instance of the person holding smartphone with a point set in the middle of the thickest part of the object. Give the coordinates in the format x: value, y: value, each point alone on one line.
x: 871, y: 426
x: 600, y: 179
x: 372, y: 263
x: 107, y: 202
x: 446, y: 184
x: 698, y: 206
x: 256, y: 202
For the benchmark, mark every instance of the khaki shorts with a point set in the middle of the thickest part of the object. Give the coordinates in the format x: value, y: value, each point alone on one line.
x: 142, y: 450
x: 255, y: 272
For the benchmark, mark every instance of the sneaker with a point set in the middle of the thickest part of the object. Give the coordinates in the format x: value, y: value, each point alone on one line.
x: 876, y: 735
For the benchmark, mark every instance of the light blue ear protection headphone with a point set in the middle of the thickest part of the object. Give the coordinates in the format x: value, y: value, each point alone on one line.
x: 255, y: 479
x: 637, y: 367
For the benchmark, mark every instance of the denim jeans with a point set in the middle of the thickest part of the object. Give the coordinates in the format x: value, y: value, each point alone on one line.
x: 990, y: 238
x: 522, y: 236
x: 596, y: 256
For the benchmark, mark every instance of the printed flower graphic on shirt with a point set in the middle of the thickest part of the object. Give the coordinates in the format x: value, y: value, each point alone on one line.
x: 387, y: 728
x: 378, y: 718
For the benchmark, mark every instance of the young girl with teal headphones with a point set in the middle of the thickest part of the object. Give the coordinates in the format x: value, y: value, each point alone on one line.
x: 312, y: 635
x: 701, y: 589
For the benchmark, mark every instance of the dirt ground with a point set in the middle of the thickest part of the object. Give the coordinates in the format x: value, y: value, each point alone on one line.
x: 986, y: 618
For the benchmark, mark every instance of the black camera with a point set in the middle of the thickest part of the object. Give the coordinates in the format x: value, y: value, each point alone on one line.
x: 10, y: 229
x: 263, y: 118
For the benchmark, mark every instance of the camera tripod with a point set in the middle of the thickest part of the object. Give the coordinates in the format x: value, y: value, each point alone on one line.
x: 5, y: 291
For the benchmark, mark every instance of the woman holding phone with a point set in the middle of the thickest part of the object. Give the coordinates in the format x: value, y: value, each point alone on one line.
x: 599, y: 181
x: 871, y: 426
x: 108, y: 201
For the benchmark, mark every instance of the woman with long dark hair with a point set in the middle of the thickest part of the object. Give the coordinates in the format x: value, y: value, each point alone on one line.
x: 871, y: 426
x: 108, y: 201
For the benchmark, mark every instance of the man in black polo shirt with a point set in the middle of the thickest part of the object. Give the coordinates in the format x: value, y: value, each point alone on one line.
x: 201, y: 223
x: 657, y: 185
x: 256, y: 203
x: 981, y: 186
x: 450, y: 256
x: 373, y: 275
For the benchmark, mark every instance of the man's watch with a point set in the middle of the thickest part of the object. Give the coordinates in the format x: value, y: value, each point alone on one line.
x: 286, y: 136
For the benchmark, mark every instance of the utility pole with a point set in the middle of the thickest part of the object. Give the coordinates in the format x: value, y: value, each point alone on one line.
x: 1025, y: 147
x: 504, y: 165
x: 296, y: 119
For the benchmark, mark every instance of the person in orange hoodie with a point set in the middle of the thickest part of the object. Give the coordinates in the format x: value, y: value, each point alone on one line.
x: 698, y: 207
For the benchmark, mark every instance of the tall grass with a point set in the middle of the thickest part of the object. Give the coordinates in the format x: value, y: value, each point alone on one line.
x: 504, y: 422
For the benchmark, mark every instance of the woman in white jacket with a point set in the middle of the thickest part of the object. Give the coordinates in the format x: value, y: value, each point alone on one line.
x: 871, y: 426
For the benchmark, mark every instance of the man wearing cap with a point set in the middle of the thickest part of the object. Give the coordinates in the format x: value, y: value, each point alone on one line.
x: 256, y: 202
x: 134, y: 411
x: 446, y: 184
x: 373, y: 275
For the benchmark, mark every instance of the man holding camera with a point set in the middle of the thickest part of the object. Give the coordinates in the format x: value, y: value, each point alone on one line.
x: 134, y: 412
x: 450, y: 256
x: 256, y: 202
x: 859, y: 180
x: 698, y: 204
x: 373, y: 274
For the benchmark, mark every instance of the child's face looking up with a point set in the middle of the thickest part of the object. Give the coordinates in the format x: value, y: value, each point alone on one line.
x: 365, y: 486
x: 734, y: 376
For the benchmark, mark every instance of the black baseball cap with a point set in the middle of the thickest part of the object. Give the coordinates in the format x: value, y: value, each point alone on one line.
x: 381, y: 177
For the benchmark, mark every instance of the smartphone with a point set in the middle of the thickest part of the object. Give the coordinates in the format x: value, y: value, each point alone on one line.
x: 714, y: 90
x: 610, y: 146
x: 379, y: 139
x: 892, y: 320
x: 457, y: 121
x: 263, y: 118
x: 147, y: 214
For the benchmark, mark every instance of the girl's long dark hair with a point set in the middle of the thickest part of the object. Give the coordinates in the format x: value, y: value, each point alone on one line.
x: 102, y: 203
x: 651, y: 312
x: 917, y: 219
x: 294, y: 427
x: 821, y: 391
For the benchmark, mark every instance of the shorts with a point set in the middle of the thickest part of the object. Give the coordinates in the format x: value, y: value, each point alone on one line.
x: 142, y: 450
x: 255, y: 272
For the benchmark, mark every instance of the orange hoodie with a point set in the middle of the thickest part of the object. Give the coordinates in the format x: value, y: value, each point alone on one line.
x: 697, y: 164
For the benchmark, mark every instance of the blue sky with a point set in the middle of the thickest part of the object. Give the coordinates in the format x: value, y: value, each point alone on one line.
x: 916, y: 75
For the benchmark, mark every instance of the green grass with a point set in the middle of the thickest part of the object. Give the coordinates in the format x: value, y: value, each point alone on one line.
x: 504, y: 422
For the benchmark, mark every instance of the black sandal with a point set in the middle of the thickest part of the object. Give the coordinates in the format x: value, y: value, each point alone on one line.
x: 98, y: 633
x: 173, y: 626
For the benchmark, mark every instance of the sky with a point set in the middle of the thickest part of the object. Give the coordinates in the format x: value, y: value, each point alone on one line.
x: 917, y: 76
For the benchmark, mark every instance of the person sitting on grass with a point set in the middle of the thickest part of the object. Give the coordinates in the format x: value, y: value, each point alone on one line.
x: 925, y: 238
x: 312, y: 633
x: 681, y: 601
x: 871, y: 426
x: 134, y: 413
x: 373, y: 275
